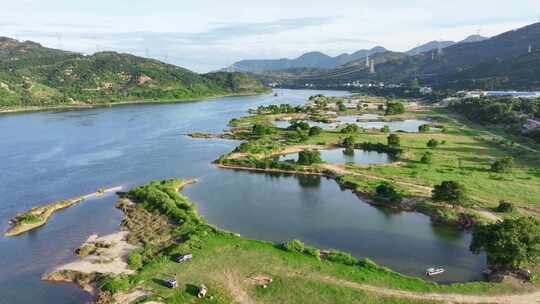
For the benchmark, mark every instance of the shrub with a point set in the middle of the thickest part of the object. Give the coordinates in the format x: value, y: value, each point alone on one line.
x: 294, y: 246
x: 349, y: 151
x: 385, y: 129
x: 424, y: 128
x: 135, y: 259
x: 298, y: 125
x: 451, y: 192
x: 85, y: 250
x: 503, y: 165
x: 260, y: 130
x: 432, y: 143
x: 427, y: 158
x: 309, y: 157
x: 388, y: 193
x: 394, y: 108
x: 315, y: 130
x: 342, y: 258
x: 341, y: 106
x: 298, y: 136
x: 116, y: 284
x: 348, y: 142
x: 394, y: 141
x: 505, y: 207
x: 350, y: 128
x: 299, y: 247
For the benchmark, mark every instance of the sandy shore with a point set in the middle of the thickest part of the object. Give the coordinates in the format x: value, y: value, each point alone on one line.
x: 112, y: 260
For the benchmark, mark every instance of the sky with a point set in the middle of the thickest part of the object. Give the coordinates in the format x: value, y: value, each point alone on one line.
x: 207, y: 35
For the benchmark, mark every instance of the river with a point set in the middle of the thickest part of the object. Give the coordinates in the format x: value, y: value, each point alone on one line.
x: 47, y: 156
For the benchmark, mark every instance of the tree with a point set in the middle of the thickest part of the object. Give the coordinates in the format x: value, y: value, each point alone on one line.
x: 299, y: 135
x: 433, y: 143
x: 349, y: 142
x: 299, y: 125
x: 394, y: 141
x: 387, y: 192
x: 315, y: 130
x: 509, y: 245
x: 451, y: 192
x: 260, y: 130
x: 350, y: 128
x: 309, y: 157
x: 424, y: 128
x: 385, y: 129
x: 503, y: 165
x: 395, y: 108
x: 427, y: 158
x: 341, y: 106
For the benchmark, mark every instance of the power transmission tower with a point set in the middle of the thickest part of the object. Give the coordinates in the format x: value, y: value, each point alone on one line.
x: 59, y: 41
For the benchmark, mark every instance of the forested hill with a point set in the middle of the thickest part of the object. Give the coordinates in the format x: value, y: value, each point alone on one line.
x: 31, y: 74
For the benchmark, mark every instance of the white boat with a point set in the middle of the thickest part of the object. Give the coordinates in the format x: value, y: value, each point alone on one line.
x: 434, y: 271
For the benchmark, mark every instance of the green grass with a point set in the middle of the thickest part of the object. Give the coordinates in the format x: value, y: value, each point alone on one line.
x: 224, y: 262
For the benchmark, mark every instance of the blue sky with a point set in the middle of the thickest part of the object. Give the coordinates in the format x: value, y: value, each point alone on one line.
x: 205, y: 35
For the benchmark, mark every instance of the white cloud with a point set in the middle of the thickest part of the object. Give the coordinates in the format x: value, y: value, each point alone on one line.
x: 207, y: 34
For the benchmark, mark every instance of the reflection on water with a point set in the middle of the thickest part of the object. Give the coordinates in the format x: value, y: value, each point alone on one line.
x: 337, y: 156
x: 410, y: 126
x: 317, y: 211
x: 49, y: 156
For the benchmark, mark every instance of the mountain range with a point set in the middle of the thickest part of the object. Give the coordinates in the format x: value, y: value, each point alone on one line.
x: 31, y: 74
x: 318, y: 60
x: 434, y: 45
x: 506, y: 61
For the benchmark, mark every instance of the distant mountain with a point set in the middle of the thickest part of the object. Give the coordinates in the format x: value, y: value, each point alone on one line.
x: 434, y: 45
x: 430, y: 46
x: 474, y: 38
x: 31, y: 74
x: 500, y: 62
x: 315, y: 60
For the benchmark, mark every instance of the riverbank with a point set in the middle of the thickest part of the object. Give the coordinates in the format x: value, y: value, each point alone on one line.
x: 232, y: 267
x: 38, y: 216
x: 14, y: 110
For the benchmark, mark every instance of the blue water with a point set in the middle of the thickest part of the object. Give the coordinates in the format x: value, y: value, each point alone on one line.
x: 49, y: 156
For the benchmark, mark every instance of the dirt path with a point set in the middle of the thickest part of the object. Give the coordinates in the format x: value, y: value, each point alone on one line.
x: 286, y: 150
x: 234, y: 284
x: 340, y: 170
x: 486, y: 213
x: 528, y: 298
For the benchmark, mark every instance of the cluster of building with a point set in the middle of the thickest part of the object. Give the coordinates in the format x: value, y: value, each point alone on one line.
x: 515, y: 94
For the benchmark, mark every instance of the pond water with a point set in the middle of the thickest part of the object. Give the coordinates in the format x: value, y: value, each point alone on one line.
x: 365, y: 121
x: 410, y: 125
x: 336, y: 156
x: 49, y: 156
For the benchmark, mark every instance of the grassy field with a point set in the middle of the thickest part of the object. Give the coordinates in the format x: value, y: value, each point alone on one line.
x: 231, y: 266
x: 465, y: 154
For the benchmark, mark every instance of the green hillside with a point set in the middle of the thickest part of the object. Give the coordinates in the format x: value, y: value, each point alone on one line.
x: 501, y: 62
x: 32, y: 75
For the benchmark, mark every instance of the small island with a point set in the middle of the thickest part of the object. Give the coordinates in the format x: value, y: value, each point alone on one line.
x: 38, y: 216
